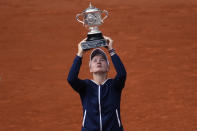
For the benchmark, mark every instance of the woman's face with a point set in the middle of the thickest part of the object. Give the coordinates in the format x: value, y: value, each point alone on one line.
x: 98, y: 64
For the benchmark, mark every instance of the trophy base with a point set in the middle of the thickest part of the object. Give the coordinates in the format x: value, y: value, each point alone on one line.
x: 94, y: 41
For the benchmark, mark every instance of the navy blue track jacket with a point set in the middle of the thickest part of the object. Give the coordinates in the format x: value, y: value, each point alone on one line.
x: 101, y: 103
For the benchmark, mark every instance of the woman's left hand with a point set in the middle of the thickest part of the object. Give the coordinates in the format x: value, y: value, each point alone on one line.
x: 109, y: 42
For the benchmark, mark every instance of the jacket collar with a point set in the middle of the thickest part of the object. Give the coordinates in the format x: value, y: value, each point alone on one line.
x: 101, y: 83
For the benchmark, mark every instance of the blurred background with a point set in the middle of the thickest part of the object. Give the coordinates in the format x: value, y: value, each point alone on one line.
x: 156, y: 41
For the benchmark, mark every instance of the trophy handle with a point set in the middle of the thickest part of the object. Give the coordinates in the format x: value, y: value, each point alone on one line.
x: 106, y: 14
x: 77, y: 17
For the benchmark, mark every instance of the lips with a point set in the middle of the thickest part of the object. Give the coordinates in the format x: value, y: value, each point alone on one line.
x: 99, y: 66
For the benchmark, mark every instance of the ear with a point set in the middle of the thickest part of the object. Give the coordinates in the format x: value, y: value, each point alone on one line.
x: 108, y: 68
x: 91, y: 70
x: 90, y: 67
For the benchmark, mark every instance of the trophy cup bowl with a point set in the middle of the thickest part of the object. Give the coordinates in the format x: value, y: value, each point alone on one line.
x: 91, y: 20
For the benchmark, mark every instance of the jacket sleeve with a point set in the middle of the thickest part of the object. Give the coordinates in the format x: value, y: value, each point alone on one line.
x: 121, y: 73
x: 76, y: 83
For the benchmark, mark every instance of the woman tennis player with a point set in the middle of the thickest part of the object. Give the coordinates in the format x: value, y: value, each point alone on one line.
x: 100, y: 96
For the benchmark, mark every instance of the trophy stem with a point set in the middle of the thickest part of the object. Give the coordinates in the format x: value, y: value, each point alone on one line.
x: 94, y: 30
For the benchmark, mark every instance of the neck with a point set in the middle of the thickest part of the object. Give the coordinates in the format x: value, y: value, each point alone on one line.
x: 99, y: 78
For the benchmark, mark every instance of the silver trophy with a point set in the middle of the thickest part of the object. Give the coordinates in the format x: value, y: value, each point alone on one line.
x: 92, y: 19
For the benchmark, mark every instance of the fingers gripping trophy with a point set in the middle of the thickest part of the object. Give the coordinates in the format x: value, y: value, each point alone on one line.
x: 91, y: 20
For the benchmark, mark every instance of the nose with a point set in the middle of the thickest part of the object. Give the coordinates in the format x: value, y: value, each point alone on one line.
x: 99, y: 62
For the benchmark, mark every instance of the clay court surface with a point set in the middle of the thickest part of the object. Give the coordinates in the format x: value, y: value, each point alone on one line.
x: 156, y: 39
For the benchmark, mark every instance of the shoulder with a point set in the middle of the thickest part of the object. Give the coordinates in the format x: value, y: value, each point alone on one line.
x: 88, y: 81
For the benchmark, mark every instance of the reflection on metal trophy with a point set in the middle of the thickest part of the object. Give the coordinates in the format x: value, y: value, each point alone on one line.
x: 92, y: 19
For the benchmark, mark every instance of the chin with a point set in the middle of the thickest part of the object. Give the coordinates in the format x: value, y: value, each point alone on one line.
x: 100, y: 71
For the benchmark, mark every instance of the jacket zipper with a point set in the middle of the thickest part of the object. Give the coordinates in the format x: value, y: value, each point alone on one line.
x: 118, y: 117
x: 84, y: 117
x: 99, y: 100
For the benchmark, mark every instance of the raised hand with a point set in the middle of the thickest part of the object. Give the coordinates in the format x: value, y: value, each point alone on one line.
x: 80, y: 50
x: 109, y: 42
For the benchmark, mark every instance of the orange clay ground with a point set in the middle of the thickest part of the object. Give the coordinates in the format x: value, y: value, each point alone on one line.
x: 156, y: 40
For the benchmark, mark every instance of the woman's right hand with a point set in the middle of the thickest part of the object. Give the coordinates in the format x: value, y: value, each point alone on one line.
x: 80, y: 50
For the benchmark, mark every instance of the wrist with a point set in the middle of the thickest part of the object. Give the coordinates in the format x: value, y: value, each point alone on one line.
x: 110, y: 48
x: 80, y: 54
x: 112, y: 52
